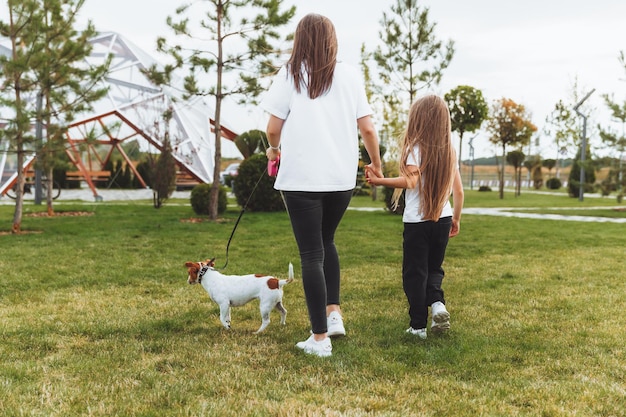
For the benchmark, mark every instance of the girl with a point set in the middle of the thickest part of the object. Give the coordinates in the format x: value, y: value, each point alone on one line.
x: 429, y: 173
x: 317, y: 106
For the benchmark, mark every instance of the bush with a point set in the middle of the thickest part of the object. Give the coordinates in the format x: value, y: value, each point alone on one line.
x: 484, y: 188
x: 553, y: 184
x: 200, y: 197
x: 391, y: 170
x: 265, y: 197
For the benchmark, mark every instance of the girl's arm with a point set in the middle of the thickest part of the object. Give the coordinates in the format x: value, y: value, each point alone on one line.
x: 392, y: 182
x: 458, y: 197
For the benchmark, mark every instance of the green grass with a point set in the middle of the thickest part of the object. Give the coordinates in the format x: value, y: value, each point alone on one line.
x: 97, y: 318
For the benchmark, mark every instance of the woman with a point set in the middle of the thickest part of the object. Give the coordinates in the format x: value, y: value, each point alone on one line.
x: 317, y: 107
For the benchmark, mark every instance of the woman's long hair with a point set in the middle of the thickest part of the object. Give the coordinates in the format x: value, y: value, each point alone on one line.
x: 429, y: 128
x: 314, y: 55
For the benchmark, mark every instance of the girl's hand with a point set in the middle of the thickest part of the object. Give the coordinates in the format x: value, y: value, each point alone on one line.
x: 454, y: 230
x: 372, y: 175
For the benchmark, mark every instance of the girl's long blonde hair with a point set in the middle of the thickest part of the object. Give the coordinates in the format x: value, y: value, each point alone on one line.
x: 314, y: 55
x: 429, y: 128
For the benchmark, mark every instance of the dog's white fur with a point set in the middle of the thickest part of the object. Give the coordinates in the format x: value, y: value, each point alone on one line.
x: 237, y: 290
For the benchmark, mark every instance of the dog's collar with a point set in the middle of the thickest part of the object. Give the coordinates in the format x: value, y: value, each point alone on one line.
x: 202, y: 271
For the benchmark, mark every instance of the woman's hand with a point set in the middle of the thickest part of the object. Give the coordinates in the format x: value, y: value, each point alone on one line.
x: 272, y: 154
x: 373, y: 174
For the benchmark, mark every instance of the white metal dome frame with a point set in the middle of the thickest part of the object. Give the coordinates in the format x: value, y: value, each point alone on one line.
x: 134, y: 109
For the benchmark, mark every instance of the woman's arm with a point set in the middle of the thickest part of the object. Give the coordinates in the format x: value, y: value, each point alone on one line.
x: 370, y: 140
x: 274, y: 127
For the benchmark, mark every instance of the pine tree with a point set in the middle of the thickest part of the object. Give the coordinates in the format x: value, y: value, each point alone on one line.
x: 47, y: 67
x: 219, y: 51
x: 410, y: 57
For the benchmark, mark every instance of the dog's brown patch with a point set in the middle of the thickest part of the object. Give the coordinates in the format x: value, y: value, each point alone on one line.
x: 272, y: 283
x: 258, y: 275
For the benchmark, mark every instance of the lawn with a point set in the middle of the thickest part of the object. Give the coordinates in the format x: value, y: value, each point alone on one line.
x: 97, y: 318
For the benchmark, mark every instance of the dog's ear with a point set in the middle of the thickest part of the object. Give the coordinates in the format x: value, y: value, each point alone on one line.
x: 191, y: 264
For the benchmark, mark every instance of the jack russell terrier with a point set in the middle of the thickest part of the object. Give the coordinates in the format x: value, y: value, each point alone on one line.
x: 237, y: 290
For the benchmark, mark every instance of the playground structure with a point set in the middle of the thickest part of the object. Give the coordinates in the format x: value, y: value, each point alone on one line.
x: 133, y: 109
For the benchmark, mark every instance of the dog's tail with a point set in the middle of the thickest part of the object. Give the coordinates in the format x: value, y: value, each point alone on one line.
x: 288, y: 280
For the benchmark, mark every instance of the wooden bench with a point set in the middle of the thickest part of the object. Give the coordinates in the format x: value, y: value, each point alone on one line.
x: 93, y: 175
x: 185, y: 181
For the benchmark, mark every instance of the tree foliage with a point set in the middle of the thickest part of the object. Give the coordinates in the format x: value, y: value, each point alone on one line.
x: 561, y: 125
x: 251, y: 142
x: 410, y: 56
x: 216, y: 38
x: 516, y: 159
x: 509, y: 125
x: 613, y: 139
x: 468, y: 110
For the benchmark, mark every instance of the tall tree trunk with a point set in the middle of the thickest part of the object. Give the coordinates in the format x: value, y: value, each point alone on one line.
x: 501, y: 187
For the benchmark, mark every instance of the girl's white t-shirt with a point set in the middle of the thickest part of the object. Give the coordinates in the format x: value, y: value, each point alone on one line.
x: 412, y: 198
x: 319, y: 139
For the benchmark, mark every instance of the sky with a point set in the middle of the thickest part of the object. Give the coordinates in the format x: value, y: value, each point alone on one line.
x: 532, y: 52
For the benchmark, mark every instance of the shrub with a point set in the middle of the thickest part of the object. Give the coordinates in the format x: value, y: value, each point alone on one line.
x: 553, y: 184
x: 264, y: 197
x: 391, y: 170
x: 484, y: 188
x: 200, y: 197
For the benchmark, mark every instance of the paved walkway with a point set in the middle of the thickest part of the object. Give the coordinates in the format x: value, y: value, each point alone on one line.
x: 145, y: 194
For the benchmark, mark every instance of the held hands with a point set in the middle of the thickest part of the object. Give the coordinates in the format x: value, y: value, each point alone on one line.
x: 373, y: 174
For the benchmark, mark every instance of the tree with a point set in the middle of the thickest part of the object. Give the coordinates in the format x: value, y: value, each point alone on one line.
x: 410, y: 57
x: 251, y: 142
x: 515, y: 159
x: 66, y: 84
x: 574, y: 181
x: 468, y: 110
x: 533, y: 165
x: 549, y: 164
x: 509, y: 124
x: 43, y: 81
x: 225, y: 46
x: 612, y: 138
x: 17, y: 84
x: 561, y: 125
x: 163, y: 170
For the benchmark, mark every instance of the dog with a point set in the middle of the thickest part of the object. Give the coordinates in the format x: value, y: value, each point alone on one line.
x: 237, y: 290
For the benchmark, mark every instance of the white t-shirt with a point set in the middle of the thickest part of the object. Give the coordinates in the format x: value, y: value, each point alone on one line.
x: 319, y: 139
x: 412, y: 198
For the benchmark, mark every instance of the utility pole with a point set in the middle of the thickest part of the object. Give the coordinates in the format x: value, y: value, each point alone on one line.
x: 583, y: 150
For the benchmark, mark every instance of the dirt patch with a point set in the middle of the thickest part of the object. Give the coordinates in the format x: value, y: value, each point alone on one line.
x: 203, y: 220
x: 61, y: 214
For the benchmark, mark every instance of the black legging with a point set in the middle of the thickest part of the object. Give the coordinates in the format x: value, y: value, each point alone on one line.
x: 314, y: 219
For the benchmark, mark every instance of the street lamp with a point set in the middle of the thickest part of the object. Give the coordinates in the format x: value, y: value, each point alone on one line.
x: 583, y: 150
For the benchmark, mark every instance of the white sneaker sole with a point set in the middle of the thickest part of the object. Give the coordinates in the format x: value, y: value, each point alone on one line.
x: 441, y: 322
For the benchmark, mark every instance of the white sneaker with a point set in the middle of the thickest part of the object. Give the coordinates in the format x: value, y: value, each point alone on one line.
x: 335, y: 324
x: 323, y: 348
x: 441, y: 317
x: 421, y: 333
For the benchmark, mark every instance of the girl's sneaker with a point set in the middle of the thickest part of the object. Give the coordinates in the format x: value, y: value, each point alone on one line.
x: 421, y: 333
x: 441, y: 317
